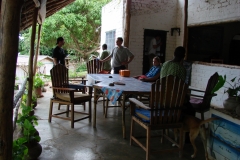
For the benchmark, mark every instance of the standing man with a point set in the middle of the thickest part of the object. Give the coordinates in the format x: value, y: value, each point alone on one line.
x: 58, y: 52
x: 154, y: 47
x: 120, y: 55
x: 105, y: 53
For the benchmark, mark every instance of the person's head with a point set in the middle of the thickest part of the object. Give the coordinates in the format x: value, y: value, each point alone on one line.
x: 156, y: 61
x: 157, y: 37
x: 60, y: 41
x: 104, y: 46
x: 179, y: 53
x: 119, y: 41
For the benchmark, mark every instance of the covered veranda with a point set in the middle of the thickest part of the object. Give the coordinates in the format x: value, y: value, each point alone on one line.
x: 60, y: 141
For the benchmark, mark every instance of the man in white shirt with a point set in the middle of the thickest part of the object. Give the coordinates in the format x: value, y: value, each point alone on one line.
x: 121, y: 56
x: 154, y: 47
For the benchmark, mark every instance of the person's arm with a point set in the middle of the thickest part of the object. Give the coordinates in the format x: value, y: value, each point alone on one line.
x: 157, y: 45
x: 152, y: 79
x: 106, y: 59
x: 55, y: 61
x: 129, y: 60
x: 94, y: 56
x: 136, y: 76
x: 54, y: 56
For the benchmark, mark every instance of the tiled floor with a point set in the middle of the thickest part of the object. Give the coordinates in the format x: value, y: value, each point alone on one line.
x: 105, y: 142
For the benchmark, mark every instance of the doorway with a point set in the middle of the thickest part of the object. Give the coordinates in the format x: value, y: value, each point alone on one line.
x: 234, y: 51
x: 150, y: 34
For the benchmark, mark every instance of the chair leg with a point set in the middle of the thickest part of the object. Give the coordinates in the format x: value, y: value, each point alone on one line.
x: 132, y: 130
x: 84, y: 106
x: 67, y: 113
x: 202, y: 115
x: 148, y: 143
x: 59, y: 105
x: 50, y: 111
x: 72, y: 115
x: 90, y: 110
x: 181, y: 138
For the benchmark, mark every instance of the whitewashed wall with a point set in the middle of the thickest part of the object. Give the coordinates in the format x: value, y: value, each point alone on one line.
x: 151, y: 14
x: 180, y: 22
x: 212, y: 11
x: 112, y: 19
x: 147, y: 14
x: 201, y: 72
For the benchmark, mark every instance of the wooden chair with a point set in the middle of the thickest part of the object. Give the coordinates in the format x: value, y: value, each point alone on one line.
x: 201, y: 104
x: 62, y: 94
x: 163, y: 112
x: 96, y: 67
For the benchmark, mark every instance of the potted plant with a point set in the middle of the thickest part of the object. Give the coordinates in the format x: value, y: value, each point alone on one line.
x: 232, y: 90
x: 38, y: 84
x: 30, y: 136
x: 19, y: 150
x: 34, y: 100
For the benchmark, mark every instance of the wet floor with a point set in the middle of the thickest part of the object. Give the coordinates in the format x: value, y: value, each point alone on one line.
x: 60, y: 142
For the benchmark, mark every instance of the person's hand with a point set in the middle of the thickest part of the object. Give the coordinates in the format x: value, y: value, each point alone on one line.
x: 142, y: 79
x: 124, y: 63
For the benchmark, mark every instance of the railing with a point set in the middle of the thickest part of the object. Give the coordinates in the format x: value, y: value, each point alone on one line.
x: 17, y: 102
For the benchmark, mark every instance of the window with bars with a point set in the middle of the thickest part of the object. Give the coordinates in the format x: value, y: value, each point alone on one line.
x: 110, y: 40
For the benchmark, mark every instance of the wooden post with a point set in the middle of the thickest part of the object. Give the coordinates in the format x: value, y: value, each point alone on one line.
x: 185, y: 38
x: 37, y: 50
x: 30, y: 63
x: 9, y: 32
x: 127, y: 23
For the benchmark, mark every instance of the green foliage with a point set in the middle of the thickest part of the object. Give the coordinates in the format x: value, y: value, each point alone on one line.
x: 37, y: 82
x: 73, y: 74
x: 19, y: 150
x: 81, y: 68
x: 26, y: 122
x: 29, y: 132
x: 232, y: 90
x: 77, y: 23
x: 24, y: 98
x: 25, y: 115
x: 47, y: 51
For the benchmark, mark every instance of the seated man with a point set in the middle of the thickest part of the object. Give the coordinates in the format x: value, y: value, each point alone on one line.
x: 175, y: 67
x: 153, y: 73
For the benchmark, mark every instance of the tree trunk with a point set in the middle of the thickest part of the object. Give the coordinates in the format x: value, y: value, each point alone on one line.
x: 9, y: 32
x: 37, y: 50
x: 30, y: 63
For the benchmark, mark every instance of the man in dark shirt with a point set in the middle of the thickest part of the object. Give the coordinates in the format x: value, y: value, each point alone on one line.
x: 58, y: 52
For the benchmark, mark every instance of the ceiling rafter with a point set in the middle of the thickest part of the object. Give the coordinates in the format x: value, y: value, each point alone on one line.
x: 52, y: 6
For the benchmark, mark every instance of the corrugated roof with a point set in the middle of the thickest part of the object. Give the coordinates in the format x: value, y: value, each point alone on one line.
x: 23, y: 59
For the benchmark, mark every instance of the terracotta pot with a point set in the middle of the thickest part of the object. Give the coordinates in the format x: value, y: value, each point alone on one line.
x: 34, y: 150
x: 238, y: 110
x: 38, y: 91
x: 34, y: 105
x: 31, y: 113
x: 230, y: 103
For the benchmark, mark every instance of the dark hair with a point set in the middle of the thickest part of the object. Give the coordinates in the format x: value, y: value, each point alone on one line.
x: 120, y: 38
x: 157, y: 58
x: 179, y: 52
x: 59, y: 39
x: 104, y: 46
